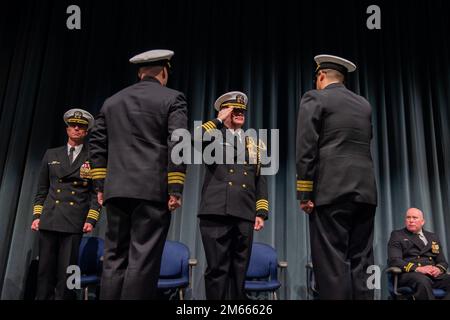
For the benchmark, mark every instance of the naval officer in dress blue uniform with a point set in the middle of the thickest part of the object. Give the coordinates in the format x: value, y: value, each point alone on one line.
x: 336, y: 180
x: 234, y: 200
x: 135, y: 176
x: 65, y: 206
x: 418, y: 253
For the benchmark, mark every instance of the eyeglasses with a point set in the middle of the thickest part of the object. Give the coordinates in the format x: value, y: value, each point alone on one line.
x: 80, y: 126
x: 238, y: 112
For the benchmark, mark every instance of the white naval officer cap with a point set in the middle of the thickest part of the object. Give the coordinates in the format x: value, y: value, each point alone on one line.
x: 326, y: 61
x: 233, y: 99
x: 159, y: 57
x: 80, y: 117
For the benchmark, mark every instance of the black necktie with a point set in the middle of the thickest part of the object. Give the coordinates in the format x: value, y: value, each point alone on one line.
x: 72, y: 149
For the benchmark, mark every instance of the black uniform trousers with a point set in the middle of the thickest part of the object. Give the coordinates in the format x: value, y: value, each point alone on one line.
x: 57, y: 251
x: 134, y: 243
x: 424, y: 284
x: 341, y: 250
x: 228, y: 243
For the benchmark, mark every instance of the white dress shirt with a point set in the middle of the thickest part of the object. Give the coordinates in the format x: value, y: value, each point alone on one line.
x: 76, y: 152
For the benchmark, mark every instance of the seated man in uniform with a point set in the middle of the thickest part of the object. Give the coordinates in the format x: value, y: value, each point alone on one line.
x: 419, y: 254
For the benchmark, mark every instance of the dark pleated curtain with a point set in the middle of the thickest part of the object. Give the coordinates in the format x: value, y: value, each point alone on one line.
x: 264, y: 48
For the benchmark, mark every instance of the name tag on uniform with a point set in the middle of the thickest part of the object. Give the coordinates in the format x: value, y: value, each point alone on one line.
x: 54, y: 162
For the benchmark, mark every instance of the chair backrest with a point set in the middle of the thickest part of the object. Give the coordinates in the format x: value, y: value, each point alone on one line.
x: 90, y: 255
x: 175, y: 260
x: 263, y: 262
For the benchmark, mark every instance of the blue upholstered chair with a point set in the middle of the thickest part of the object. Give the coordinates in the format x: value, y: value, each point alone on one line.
x: 176, y: 267
x: 399, y: 293
x: 90, y: 261
x: 262, y: 273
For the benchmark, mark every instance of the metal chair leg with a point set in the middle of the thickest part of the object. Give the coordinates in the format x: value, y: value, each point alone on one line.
x: 181, y: 294
x: 275, y: 296
x: 86, y: 293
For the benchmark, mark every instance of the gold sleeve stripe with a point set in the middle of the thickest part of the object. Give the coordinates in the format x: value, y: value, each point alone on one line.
x: 176, y: 174
x: 98, y: 177
x: 98, y: 170
x: 262, y: 201
x: 306, y: 182
x: 207, y: 126
x: 304, y: 185
x: 262, y: 208
x: 176, y: 181
x: 304, y: 189
x: 262, y: 204
x: 212, y: 124
x: 37, y: 209
x: 209, y: 130
x: 93, y: 214
x: 99, y: 174
x: 408, y: 266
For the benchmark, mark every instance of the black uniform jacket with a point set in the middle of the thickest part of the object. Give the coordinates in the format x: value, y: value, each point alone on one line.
x: 235, y: 189
x: 131, y: 143
x: 334, y: 161
x: 65, y: 198
x: 407, y: 252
